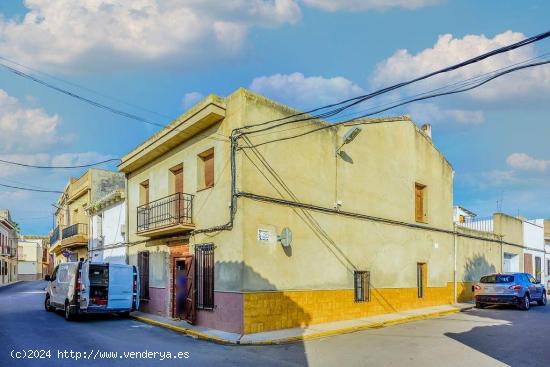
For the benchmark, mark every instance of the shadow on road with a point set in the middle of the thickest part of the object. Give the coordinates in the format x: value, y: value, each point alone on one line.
x: 506, y: 338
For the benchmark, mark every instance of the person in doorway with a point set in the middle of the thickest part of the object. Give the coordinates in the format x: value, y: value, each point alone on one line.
x: 181, y: 292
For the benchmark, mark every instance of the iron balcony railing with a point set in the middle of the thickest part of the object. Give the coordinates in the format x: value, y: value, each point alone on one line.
x: 167, y: 211
x: 75, y: 229
x: 55, y: 236
x: 478, y: 224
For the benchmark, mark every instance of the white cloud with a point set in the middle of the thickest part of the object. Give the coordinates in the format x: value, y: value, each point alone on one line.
x: 189, y: 99
x: 525, y: 162
x: 428, y: 112
x: 25, y: 129
x: 363, y: 5
x: 529, y: 83
x: 75, y: 35
x: 300, y: 91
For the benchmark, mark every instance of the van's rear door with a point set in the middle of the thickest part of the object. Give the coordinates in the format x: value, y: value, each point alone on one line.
x: 121, y: 282
x: 85, y: 281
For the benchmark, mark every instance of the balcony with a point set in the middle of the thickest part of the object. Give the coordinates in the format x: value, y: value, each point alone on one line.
x: 74, y: 235
x: 55, y: 236
x: 169, y: 215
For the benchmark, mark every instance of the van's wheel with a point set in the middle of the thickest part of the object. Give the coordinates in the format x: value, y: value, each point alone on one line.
x: 68, y: 314
x: 525, y: 303
x: 124, y: 314
x: 542, y: 301
x: 47, y: 304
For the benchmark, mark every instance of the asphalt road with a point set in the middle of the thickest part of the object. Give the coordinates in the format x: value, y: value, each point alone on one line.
x: 490, y: 337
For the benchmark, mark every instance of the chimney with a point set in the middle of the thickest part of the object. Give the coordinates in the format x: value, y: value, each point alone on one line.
x: 427, y: 129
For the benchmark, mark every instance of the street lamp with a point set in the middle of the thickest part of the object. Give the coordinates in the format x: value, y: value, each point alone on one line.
x: 348, y: 137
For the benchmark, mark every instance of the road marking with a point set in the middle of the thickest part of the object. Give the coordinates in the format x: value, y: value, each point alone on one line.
x: 34, y: 292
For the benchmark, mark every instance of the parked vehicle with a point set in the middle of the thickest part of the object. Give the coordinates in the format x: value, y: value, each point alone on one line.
x: 518, y: 289
x: 85, y: 287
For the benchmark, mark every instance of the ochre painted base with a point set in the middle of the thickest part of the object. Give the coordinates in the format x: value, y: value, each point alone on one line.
x: 264, y: 311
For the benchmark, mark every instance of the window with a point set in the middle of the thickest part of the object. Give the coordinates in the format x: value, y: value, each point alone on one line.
x: 421, y: 278
x: 361, y: 283
x: 143, y: 267
x: 177, y: 178
x: 63, y: 274
x: 492, y: 279
x: 548, y: 267
x: 204, y: 269
x: 205, y: 167
x: 420, y: 203
x: 144, y: 192
x: 531, y: 279
x: 54, y: 274
x: 538, y: 270
x: 100, y: 225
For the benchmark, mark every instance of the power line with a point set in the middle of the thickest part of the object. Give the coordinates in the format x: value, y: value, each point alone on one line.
x: 98, y: 104
x: 29, y: 189
x: 486, y: 80
x: 348, y: 103
x: 59, y: 167
x: 86, y: 88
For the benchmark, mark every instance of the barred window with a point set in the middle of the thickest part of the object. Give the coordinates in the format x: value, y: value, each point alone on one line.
x: 204, y: 265
x: 361, y: 286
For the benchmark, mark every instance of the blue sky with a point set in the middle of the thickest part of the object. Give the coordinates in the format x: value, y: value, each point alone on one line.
x: 163, y: 55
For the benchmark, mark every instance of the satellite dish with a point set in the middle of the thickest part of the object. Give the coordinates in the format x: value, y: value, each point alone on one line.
x: 285, y: 237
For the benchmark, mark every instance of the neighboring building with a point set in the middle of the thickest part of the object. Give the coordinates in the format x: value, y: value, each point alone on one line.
x: 547, y: 252
x: 69, y: 239
x: 29, y: 257
x: 534, y: 252
x: 108, y: 228
x: 8, y: 248
x: 463, y: 215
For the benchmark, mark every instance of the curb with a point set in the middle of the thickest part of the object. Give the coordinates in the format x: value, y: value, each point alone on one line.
x: 299, y: 338
x: 186, y: 331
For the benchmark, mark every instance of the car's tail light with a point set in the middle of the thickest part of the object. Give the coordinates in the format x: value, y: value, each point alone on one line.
x: 477, y: 288
x: 515, y: 287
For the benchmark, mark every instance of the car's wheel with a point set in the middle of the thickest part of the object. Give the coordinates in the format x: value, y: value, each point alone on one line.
x: 480, y: 305
x: 68, y: 314
x: 525, y: 303
x: 47, y: 304
x: 542, y: 301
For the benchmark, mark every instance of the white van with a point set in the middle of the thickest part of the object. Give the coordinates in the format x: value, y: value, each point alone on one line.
x: 85, y: 287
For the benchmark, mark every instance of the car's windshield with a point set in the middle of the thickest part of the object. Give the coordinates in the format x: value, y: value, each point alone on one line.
x: 497, y: 279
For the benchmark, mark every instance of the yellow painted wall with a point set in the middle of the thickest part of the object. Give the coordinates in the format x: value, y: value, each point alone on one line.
x: 266, y: 311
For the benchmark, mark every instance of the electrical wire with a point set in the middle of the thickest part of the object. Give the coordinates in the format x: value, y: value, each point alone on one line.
x: 101, y: 105
x: 476, y: 85
x: 59, y: 167
x: 348, y: 103
x: 29, y: 189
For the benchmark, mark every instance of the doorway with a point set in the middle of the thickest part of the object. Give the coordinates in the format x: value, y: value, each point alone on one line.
x: 183, y: 289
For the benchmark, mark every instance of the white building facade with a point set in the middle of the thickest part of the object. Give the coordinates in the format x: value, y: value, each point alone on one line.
x: 29, y: 258
x: 534, y: 253
x: 107, y: 229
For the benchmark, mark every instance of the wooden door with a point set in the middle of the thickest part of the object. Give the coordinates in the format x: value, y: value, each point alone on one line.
x: 528, y: 263
x: 184, y: 289
x: 177, y: 171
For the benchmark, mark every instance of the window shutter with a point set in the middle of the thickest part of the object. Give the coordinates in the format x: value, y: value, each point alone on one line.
x: 209, y: 170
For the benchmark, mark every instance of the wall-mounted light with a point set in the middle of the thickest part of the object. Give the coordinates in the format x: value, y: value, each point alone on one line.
x: 348, y: 137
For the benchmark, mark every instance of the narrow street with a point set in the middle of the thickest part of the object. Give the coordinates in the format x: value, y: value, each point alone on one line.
x: 491, y: 337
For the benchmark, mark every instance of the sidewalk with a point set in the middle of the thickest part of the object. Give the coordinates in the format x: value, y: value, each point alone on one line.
x: 300, y: 334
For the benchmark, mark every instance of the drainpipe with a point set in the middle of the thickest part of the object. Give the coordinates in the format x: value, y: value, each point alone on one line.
x: 455, y: 298
x: 127, y: 216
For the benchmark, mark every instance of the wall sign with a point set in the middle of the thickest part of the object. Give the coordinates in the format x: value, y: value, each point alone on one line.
x: 264, y: 235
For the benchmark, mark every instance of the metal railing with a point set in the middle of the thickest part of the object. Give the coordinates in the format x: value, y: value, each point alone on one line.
x: 478, y: 224
x: 75, y: 229
x: 170, y: 210
x: 55, y: 236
